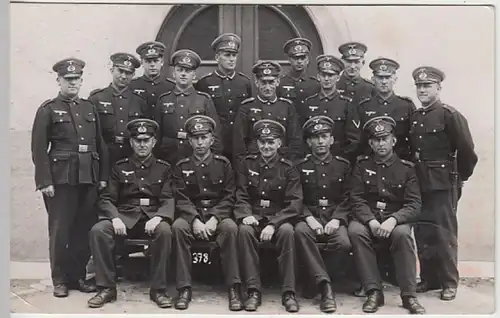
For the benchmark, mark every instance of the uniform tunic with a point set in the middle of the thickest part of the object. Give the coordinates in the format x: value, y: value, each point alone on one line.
x: 356, y: 88
x: 151, y: 89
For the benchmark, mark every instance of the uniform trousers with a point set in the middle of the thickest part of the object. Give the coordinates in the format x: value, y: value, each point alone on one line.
x: 402, y: 249
x: 71, y: 213
x: 103, y: 242
x: 248, y: 246
x: 225, y: 236
x: 309, y: 256
x: 436, y: 237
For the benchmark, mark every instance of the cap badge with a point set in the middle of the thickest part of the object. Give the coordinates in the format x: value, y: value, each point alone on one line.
x: 267, y: 71
x: 198, y: 126
x: 318, y: 127
x: 127, y: 63
x: 231, y: 44
x: 151, y: 51
x: 383, y: 67
x: 186, y: 60
x: 352, y: 51
x: 71, y: 68
x: 266, y: 131
x: 379, y: 127
x: 327, y: 64
x: 142, y: 129
x: 422, y: 75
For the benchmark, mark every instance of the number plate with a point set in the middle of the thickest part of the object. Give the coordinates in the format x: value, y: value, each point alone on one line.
x: 201, y: 258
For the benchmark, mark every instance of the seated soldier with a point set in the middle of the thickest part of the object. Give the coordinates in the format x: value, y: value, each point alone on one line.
x: 138, y: 203
x: 323, y: 178
x: 204, y: 192
x: 268, y: 201
x: 385, y: 199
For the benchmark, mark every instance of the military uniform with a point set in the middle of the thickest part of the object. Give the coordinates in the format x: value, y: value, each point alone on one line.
x: 397, y: 107
x: 297, y: 89
x: 175, y: 107
x: 271, y: 192
x: 227, y: 90
x: 356, y: 88
x: 138, y: 190
x: 68, y: 152
x: 254, y: 109
x: 380, y: 191
x: 117, y: 108
x: 151, y: 88
x: 204, y: 189
x: 346, y: 130
x: 437, y: 132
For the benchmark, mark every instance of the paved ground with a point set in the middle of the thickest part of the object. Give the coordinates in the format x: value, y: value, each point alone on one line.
x: 475, y: 296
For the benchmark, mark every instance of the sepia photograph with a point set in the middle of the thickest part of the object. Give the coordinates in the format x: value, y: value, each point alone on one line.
x: 225, y: 158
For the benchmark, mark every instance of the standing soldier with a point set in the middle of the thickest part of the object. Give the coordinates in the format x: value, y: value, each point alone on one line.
x: 324, y: 184
x: 385, y: 199
x: 137, y: 203
x: 329, y: 102
x: 384, y: 102
x: 267, y: 105
x: 70, y: 159
x: 268, y: 202
x: 151, y: 84
x: 175, y: 107
x: 444, y: 155
x: 117, y: 104
x: 227, y: 87
x: 351, y: 83
x: 295, y: 85
x: 204, y: 186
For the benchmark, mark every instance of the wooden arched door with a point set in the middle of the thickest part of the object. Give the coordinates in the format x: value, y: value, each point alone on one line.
x: 262, y: 28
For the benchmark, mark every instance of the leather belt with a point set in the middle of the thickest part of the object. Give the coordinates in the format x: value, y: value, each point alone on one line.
x: 83, y: 148
x: 265, y: 203
x: 181, y: 135
x: 323, y: 202
x: 120, y: 140
x: 207, y: 203
x: 381, y: 205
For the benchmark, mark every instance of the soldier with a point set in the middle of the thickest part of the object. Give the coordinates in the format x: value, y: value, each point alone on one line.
x: 175, y: 107
x: 384, y: 102
x: 330, y: 102
x: 324, y: 217
x: 444, y: 154
x: 227, y: 87
x: 204, y: 187
x: 351, y: 83
x: 117, y: 104
x: 267, y: 105
x: 385, y: 199
x: 295, y: 85
x: 151, y: 84
x: 71, y: 163
x: 138, y: 202
x: 268, y: 202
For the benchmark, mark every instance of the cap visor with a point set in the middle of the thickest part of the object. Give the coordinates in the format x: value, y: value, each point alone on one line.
x: 227, y: 49
x: 151, y: 56
x: 425, y: 82
x: 200, y: 133
x: 299, y: 54
x: 188, y: 66
x: 268, y: 77
x: 142, y: 136
x: 383, y: 73
x: 329, y: 72
x: 72, y: 75
x: 351, y: 58
x: 125, y: 68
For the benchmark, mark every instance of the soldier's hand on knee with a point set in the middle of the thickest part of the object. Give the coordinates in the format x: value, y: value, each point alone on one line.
x: 211, y: 225
x: 250, y: 220
x: 199, y: 229
x: 374, y: 227
x: 151, y: 225
x: 102, y: 185
x: 49, y: 191
x: 332, y: 226
x: 119, y: 226
x: 267, y: 233
x: 387, y: 226
x: 314, y: 225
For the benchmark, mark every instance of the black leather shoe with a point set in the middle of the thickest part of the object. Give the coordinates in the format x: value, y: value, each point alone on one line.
x: 183, y: 299
x: 253, y: 301
x: 328, y: 303
x: 234, y: 297
x: 288, y: 300
x: 424, y: 286
x: 105, y: 295
x: 413, y: 306
x: 374, y: 301
x: 61, y: 290
x: 448, y: 294
x: 83, y: 285
x: 161, y: 298
x: 360, y: 292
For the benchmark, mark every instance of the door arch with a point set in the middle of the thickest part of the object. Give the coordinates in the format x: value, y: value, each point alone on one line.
x: 262, y: 28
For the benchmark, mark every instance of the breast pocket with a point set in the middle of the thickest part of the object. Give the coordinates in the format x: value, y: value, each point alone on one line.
x: 156, y: 185
x: 61, y: 124
x: 133, y: 114
x: 60, y: 167
x: 196, y: 110
x: 337, y: 185
x: 439, y: 174
x: 434, y: 134
x: 277, y: 188
x: 288, y: 91
x: 106, y: 116
x: 398, y: 188
x: 254, y: 116
x: 370, y: 183
x: 242, y: 94
x: 191, y: 183
x: 282, y: 119
x: 253, y: 186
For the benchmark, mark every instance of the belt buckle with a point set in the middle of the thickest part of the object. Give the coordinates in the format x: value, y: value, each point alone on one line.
x: 417, y: 155
x: 119, y: 139
x: 381, y: 205
x: 205, y: 203
x: 83, y: 148
x: 323, y: 202
x: 265, y: 203
x: 182, y: 135
x: 144, y: 202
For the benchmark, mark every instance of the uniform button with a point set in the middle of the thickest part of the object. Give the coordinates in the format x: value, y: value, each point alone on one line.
x: 302, y: 102
x: 182, y: 105
x: 325, y: 111
x: 121, y: 120
x: 265, y: 167
x: 386, y: 114
x: 323, y: 174
x: 423, y: 113
x: 352, y: 84
x: 181, y: 117
x: 142, y: 167
x: 77, y: 114
x: 121, y: 97
x: 180, y: 129
x: 269, y: 114
x: 228, y: 89
x: 324, y: 186
x: 142, y: 189
x: 181, y: 142
x: 265, y: 180
x: 263, y: 192
x: 229, y: 100
x: 367, y: 181
x: 152, y: 94
x: 442, y: 166
x: 142, y: 179
x: 421, y: 125
x: 204, y: 189
x: 352, y: 93
x: 203, y: 165
x: 420, y: 137
x: 324, y: 208
x: 385, y: 103
x: 231, y: 123
x: 383, y: 190
x: 121, y: 133
x: 79, y: 126
x: 121, y: 108
x: 81, y: 138
x: 153, y: 83
x: 230, y: 111
x: 121, y: 146
x: 203, y: 177
x: 301, y: 90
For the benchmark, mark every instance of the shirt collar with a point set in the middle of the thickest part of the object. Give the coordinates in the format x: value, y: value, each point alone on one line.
x: 123, y: 92
x: 187, y: 92
x: 349, y: 79
x: 316, y: 160
x: 388, y: 100
x: 430, y: 107
x: 137, y: 162
x: 267, y: 101
x: 66, y: 99
x: 330, y: 96
x: 296, y: 79
x: 271, y: 163
x: 155, y: 80
x: 389, y: 161
x: 206, y: 161
x: 218, y: 73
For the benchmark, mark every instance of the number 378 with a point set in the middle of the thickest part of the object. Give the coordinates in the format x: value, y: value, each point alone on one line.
x: 201, y: 258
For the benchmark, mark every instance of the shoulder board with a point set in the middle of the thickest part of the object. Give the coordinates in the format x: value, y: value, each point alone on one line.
x: 312, y: 96
x: 166, y: 93
x: 340, y: 90
x: 364, y: 100
x: 206, y: 75
x: 251, y: 156
x: 408, y: 163
x: 305, y: 159
x: 406, y: 98
x: 162, y: 162
x: 282, y: 75
x: 248, y: 100
x: 285, y: 100
x: 187, y: 159
x: 221, y: 158
x: 170, y: 80
x: 138, y: 95
x: 244, y: 75
x: 342, y: 159
x: 286, y: 161
x: 362, y: 158
x: 45, y: 103
x: 314, y: 78
x: 122, y: 161
x: 450, y: 108
x: 95, y: 91
x: 347, y: 98
x: 368, y: 81
x: 204, y: 94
